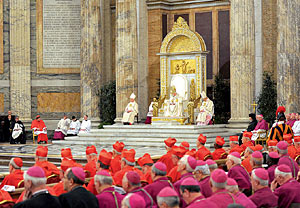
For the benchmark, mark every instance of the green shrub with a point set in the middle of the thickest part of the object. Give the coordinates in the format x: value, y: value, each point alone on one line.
x: 108, y: 104
x: 221, y: 99
x: 267, y: 100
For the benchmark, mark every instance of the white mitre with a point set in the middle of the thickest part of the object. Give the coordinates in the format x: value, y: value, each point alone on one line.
x: 132, y: 96
x: 203, y: 94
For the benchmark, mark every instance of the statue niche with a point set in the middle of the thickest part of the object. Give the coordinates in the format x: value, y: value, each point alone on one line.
x: 182, y: 75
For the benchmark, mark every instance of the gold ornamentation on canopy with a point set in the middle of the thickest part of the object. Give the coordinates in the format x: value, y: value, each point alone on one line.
x: 182, y: 39
x: 187, y: 66
x: 180, y: 24
x: 192, y: 90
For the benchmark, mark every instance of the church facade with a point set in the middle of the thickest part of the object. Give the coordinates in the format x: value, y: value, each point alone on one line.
x: 56, y: 54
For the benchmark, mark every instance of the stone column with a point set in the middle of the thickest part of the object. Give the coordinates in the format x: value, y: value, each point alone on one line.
x: 126, y: 54
x: 288, y: 55
x: 142, y: 39
x: 242, y: 58
x: 90, y: 68
x: 20, y: 91
x: 106, y: 36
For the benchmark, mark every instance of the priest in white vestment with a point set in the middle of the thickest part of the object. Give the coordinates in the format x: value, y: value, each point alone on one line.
x: 149, y: 114
x: 85, y: 125
x: 74, y: 127
x: 63, y: 125
x: 206, y: 110
x: 131, y: 110
x: 173, y: 107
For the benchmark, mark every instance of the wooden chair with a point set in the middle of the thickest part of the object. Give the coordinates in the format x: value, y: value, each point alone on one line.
x: 21, y: 184
x: 224, y: 155
x: 6, y: 204
x: 53, y: 179
x: 262, y: 138
x: 33, y: 136
x: 209, y: 156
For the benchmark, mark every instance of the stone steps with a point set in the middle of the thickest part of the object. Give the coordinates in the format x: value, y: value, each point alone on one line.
x: 148, y: 135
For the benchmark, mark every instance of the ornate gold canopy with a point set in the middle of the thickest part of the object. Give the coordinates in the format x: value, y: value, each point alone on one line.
x: 182, y: 64
x: 182, y: 39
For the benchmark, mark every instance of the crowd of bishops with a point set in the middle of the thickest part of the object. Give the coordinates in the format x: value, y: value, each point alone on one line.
x: 248, y: 175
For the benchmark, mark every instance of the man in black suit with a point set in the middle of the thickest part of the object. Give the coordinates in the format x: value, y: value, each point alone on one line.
x: 77, y: 196
x: 36, y: 194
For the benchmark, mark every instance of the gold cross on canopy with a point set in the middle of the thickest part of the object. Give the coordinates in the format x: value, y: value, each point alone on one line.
x: 254, y: 106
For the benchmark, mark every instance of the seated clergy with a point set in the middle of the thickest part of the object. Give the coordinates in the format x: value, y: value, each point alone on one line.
x: 288, y: 190
x: 233, y: 188
x: 261, y: 128
x: 219, y: 151
x: 37, y: 194
x: 74, y: 127
x: 206, y: 110
x: 40, y: 129
x: 238, y: 172
x: 173, y: 106
x: 131, y: 110
x: 15, y: 173
x: 62, y: 128
x: 86, y: 125
x: 263, y: 196
x: 149, y: 114
x: 168, y: 198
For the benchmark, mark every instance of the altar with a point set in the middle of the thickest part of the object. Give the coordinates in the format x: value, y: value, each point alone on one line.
x: 182, y: 76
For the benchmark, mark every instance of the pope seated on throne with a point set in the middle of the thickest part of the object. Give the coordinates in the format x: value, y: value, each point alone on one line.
x: 174, y: 106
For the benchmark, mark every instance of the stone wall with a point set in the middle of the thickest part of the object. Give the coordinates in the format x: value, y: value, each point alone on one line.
x: 48, y: 83
x: 4, y: 77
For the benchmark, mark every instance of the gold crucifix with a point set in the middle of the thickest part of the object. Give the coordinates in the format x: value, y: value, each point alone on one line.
x: 254, y: 106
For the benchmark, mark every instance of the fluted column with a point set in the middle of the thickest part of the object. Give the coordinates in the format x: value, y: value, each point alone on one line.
x: 20, y: 91
x: 242, y: 58
x: 126, y: 54
x: 90, y: 68
x: 288, y: 54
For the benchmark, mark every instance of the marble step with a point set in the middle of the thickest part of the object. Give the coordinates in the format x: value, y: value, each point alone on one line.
x: 132, y: 142
x: 143, y: 137
x: 143, y: 126
x: 152, y: 134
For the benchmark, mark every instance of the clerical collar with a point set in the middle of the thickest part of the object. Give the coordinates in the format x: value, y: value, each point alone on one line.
x: 43, y: 191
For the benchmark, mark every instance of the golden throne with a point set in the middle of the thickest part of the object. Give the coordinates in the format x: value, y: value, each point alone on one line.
x: 183, y: 66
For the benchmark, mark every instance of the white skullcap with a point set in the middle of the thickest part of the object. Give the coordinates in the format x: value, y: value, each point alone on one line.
x: 132, y: 96
x: 203, y: 94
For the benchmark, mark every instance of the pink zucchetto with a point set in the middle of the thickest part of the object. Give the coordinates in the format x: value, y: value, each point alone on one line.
x: 210, y: 162
x: 236, y: 154
x: 231, y: 182
x: 219, y: 176
x: 192, y: 162
x: 36, y: 172
x: 133, y: 177
x: 189, y: 182
x: 201, y: 163
x: 103, y: 173
x: 79, y: 173
x: 274, y: 155
x: 261, y: 173
x: 257, y: 155
x: 282, y: 145
x: 160, y: 166
x: 136, y: 201
x: 167, y: 192
x: 284, y: 169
